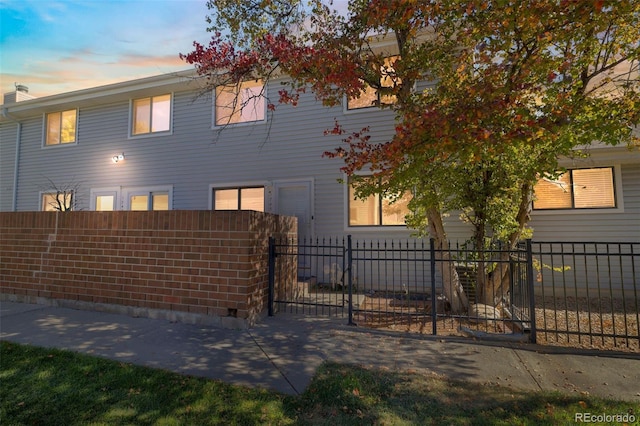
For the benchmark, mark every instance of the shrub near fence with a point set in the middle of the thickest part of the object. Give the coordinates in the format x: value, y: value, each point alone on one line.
x: 194, y: 266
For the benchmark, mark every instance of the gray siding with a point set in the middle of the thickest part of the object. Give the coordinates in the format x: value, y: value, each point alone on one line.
x: 194, y: 156
x: 8, y: 135
x: 599, y: 224
x: 289, y: 145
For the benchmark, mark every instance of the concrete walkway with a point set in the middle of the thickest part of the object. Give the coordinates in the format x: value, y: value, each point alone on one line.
x: 283, y: 352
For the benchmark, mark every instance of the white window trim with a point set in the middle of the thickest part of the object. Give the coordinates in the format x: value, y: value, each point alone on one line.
x: 145, y: 190
x: 617, y: 188
x: 115, y: 191
x: 365, y: 228
x: 214, y: 126
x: 244, y: 184
x: 74, y: 197
x: 44, y: 129
x: 151, y: 134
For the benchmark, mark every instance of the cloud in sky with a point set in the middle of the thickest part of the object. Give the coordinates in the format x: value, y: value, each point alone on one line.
x: 56, y: 46
x: 65, y: 45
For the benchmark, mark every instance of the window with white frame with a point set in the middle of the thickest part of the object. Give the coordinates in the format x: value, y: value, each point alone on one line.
x: 57, y: 201
x: 372, y: 97
x: 149, y: 201
x: 242, y: 103
x: 239, y: 198
x: 592, y: 188
x: 61, y: 127
x: 151, y: 115
x: 376, y: 209
x: 105, y: 203
x: 104, y: 199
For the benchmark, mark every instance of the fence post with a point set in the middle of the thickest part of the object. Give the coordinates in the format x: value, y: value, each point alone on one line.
x: 272, y: 275
x: 350, y: 279
x: 434, y: 301
x: 530, y: 290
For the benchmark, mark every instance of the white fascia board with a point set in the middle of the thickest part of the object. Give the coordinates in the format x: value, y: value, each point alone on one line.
x: 101, y: 94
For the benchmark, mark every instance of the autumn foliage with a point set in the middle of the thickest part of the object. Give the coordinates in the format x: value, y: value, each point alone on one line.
x: 486, y: 94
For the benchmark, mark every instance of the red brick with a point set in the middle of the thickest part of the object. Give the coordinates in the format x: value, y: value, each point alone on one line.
x: 138, y: 258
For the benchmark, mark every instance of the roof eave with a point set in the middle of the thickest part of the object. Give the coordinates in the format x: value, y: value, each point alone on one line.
x: 180, y: 80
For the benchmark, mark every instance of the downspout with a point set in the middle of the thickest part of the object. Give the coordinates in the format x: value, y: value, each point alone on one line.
x: 14, y: 199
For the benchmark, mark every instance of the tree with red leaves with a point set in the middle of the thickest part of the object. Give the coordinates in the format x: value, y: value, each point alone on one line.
x: 513, y: 86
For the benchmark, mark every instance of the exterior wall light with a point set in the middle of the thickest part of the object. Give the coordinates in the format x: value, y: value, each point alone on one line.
x: 117, y: 158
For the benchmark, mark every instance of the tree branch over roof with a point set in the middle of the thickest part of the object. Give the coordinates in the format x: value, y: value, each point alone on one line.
x: 514, y: 85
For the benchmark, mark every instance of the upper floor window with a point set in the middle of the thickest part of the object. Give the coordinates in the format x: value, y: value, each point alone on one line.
x: 61, y: 127
x: 577, y: 189
x: 251, y: 198
x: 377, y: 210
x: 371, y: 96
x: 241, y: 103
x: 57, y: 201
x: 150, y: 115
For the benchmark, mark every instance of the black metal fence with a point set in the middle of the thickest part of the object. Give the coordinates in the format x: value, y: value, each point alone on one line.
x: 587, y: 293
x: 583, y: 294
x: 313, y: 277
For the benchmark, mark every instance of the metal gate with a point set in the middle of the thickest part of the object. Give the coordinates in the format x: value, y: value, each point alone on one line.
x: 309, y: 277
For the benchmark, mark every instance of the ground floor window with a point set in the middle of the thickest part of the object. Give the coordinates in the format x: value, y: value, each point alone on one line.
x: 131, y: 198
x: 57, y: 201
x: 147, y: 198
x: 239, y: 198
x: 105, y: 203
x: 591, y: 188
x: 105, y: 199
x: 149, y: 201
x: 377, y: 210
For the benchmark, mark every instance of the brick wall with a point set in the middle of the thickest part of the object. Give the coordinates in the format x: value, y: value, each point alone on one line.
x: 188, y: 265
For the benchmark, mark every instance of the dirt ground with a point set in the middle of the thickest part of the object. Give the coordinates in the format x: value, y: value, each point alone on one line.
x: 572, y: 322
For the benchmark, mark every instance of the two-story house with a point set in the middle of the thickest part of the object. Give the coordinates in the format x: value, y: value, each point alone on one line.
x: 153, y: 143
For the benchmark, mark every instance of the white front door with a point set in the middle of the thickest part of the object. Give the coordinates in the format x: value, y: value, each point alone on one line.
x: 293, y: 198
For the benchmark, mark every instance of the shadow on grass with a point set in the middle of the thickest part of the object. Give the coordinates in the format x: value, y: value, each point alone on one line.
x: 345, y: 395
x: 48, y: 386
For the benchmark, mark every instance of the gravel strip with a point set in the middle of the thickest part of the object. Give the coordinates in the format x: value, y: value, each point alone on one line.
x: 571, y: 322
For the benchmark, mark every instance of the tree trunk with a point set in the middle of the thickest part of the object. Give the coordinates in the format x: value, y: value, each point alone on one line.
x: 497, y: 283
x: 452, y: 288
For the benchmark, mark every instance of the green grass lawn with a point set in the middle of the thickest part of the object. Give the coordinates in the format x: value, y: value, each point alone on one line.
x: 52, y: 387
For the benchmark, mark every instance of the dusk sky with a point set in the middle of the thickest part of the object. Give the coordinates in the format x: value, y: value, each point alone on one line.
x: 56, y: 46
